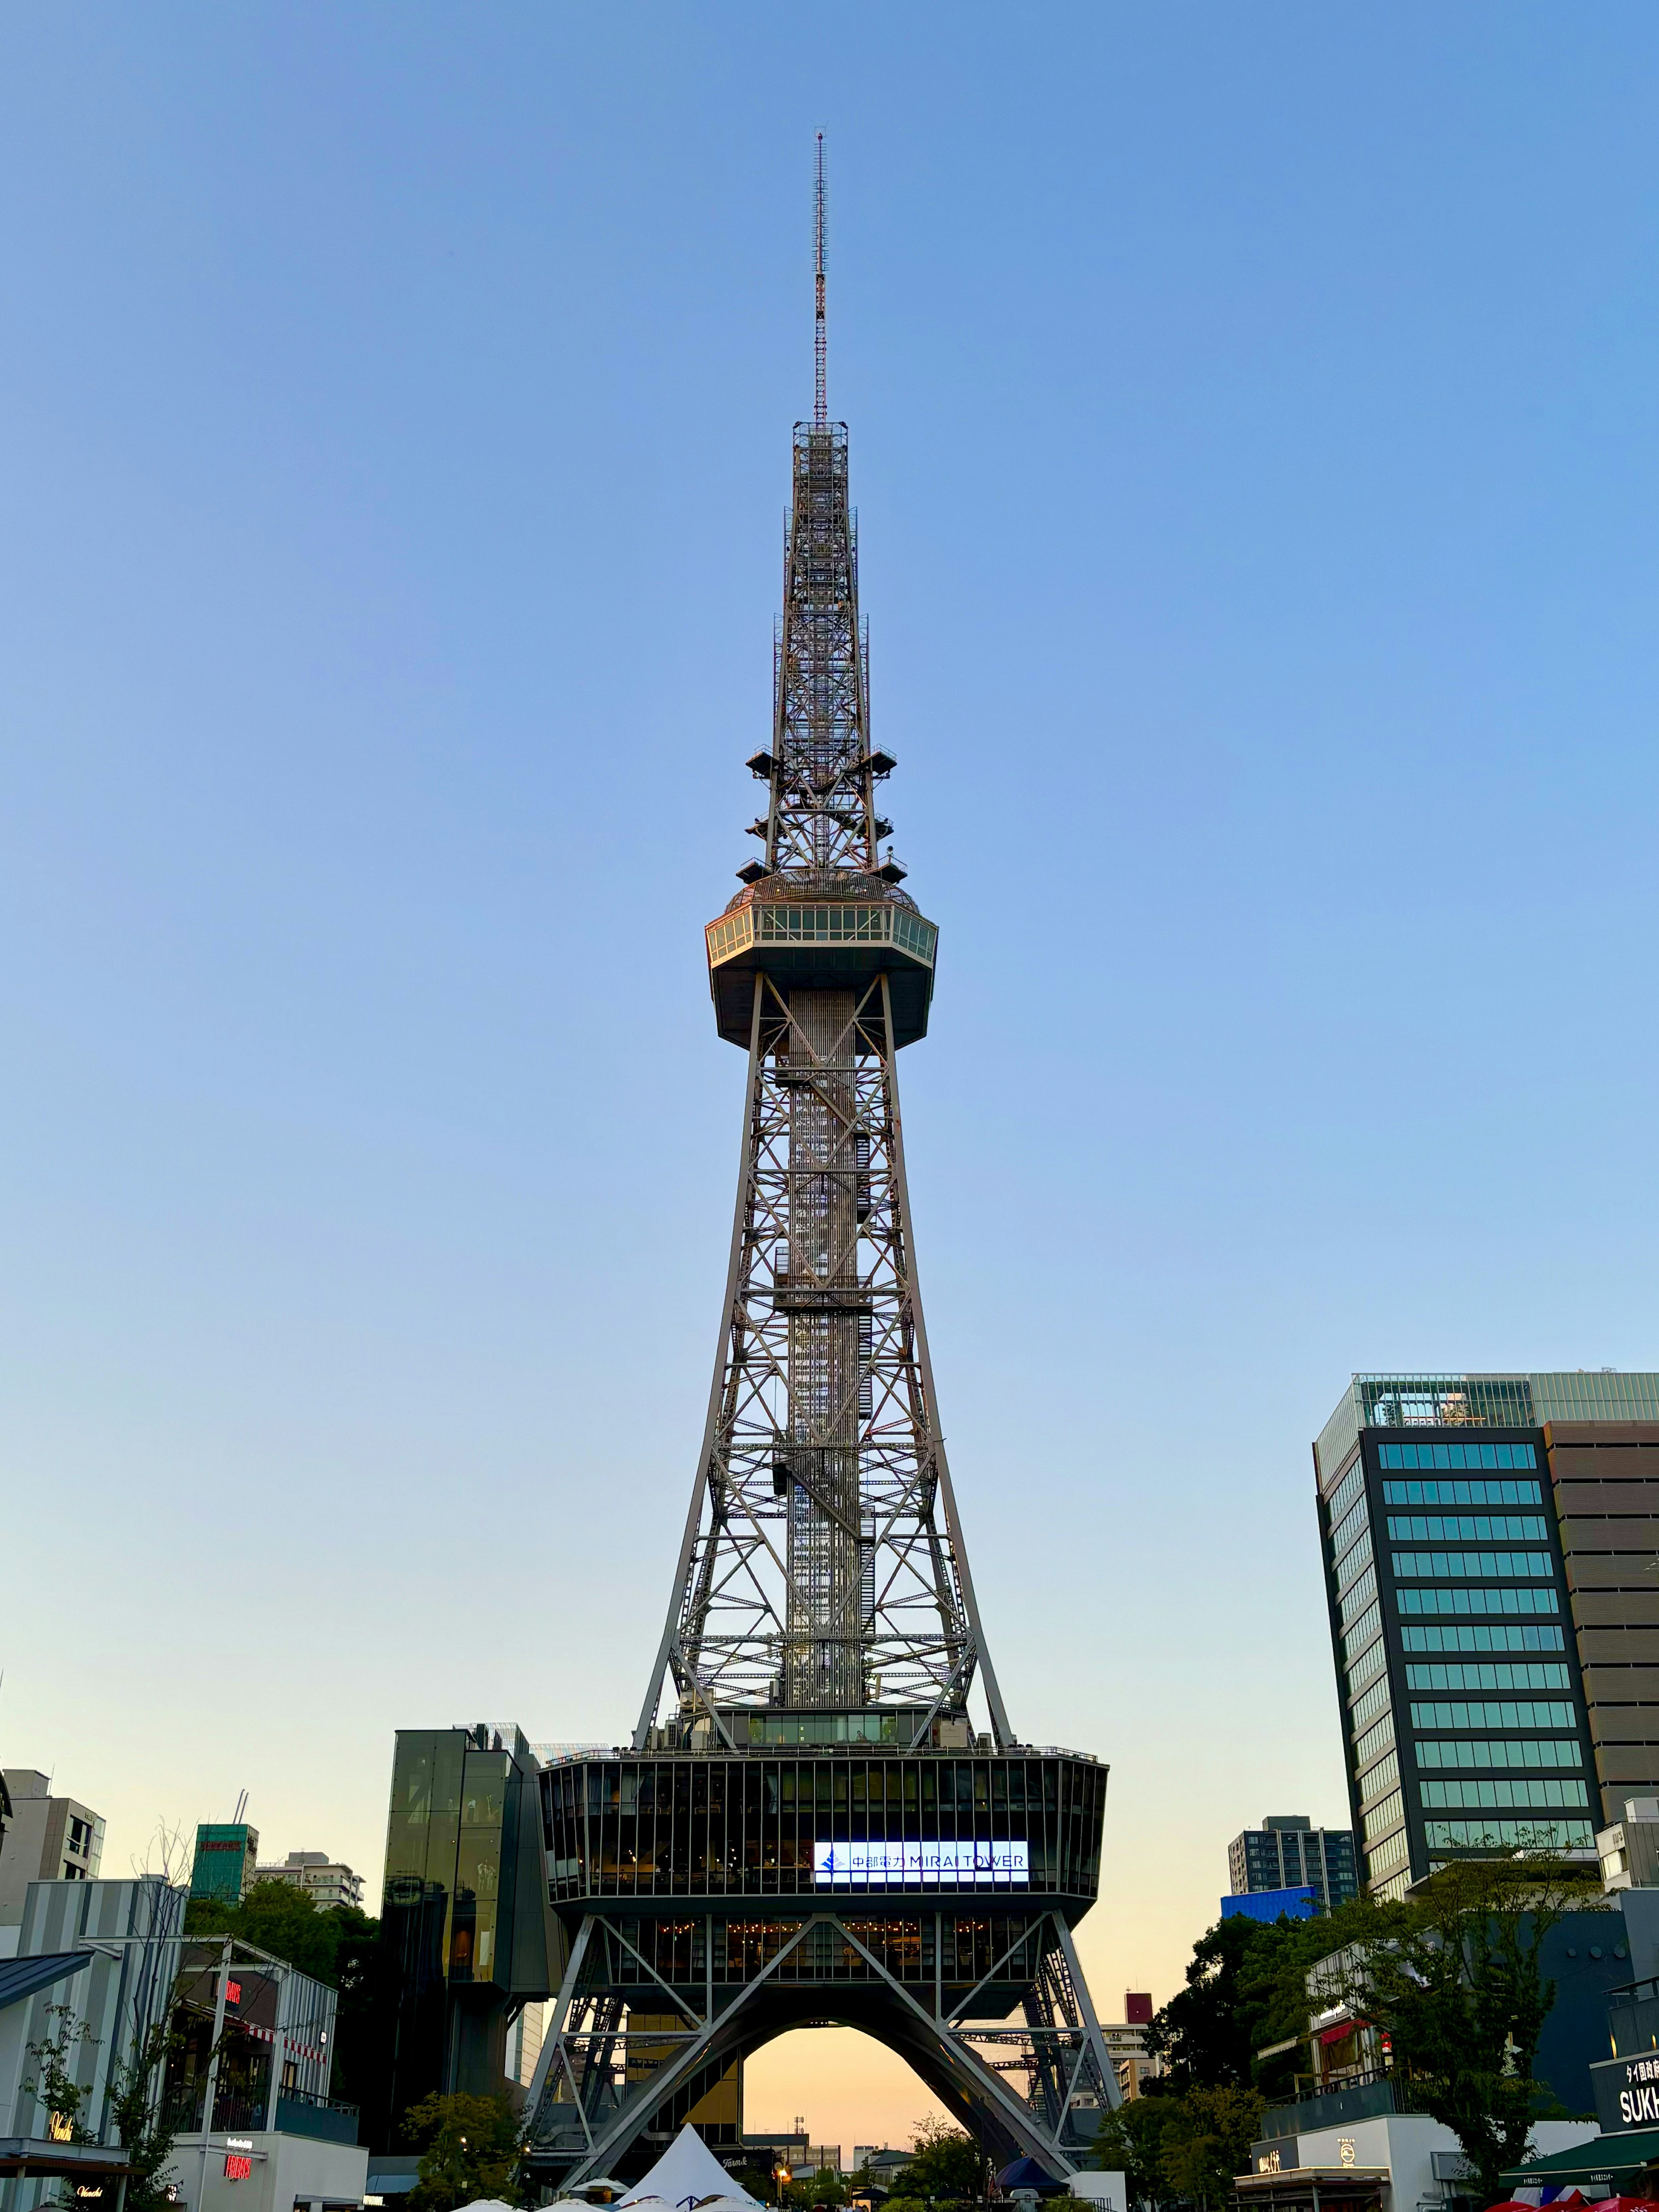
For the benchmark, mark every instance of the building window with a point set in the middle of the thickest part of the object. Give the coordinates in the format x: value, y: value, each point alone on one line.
x: 1551, y: 1751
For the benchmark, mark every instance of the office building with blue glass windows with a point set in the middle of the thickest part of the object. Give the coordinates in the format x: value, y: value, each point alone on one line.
x: 1459, y: 1648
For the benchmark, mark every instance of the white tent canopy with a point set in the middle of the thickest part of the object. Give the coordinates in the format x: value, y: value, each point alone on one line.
x: 688, y: 2174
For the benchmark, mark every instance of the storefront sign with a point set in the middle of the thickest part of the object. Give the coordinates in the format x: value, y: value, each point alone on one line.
x: 986, y: 1865
x: 1626, y: 2093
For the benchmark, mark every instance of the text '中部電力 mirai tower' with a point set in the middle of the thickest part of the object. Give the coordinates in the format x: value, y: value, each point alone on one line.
x: 810, y: 1826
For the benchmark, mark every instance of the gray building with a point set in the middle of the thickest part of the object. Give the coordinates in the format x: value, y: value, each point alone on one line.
x: 47, y: 1839
x: 246, y: 2073
x: 1288, y: 1852
x: 1457, y: 1636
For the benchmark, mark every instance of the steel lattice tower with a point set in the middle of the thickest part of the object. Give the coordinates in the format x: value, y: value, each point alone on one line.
x: 813, y: 1831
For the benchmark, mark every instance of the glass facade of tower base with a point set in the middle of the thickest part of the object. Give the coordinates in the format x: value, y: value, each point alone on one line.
x: 1001, y: 1829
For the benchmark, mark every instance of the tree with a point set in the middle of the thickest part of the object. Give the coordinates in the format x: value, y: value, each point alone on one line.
x: 824, y: 2188
x: 1247, y: 1991
x: 470, y: 2148
x: 1454, y: 1979
x: 140, y: 2121
x: 1207, y: 2033
x: 53, y: 2084
x: 947, y: 2164
x: 1130, y: 2142
x: 1207, y: 2141
x: 1187, y: 2147
x: 278, y: 1917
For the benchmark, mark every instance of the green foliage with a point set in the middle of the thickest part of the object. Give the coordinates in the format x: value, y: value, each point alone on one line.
x: 1187, y: 2147
x: 53, y: 2083
x: 281, y: 1919
x: 815, y: 2189
x: 137, y: 2112
x: 755, y: 2184
x: 904, y: 2205
x: 470, y: 2148
x: 1130, y: 2142
x: 1207, y: 2141
x: 1453, y: 1978
x: 947, y: 2165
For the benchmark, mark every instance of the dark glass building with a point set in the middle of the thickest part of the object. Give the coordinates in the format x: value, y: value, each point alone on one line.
x: 1465, y: 1725
x: 466, y: 1936
x: 1288, y: 1852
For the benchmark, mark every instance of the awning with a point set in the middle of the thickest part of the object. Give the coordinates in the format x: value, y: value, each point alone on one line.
x: 22, y: 1978
x: 1320, y: 2186
x: 38, y: 2155
x: 1608, y: 2154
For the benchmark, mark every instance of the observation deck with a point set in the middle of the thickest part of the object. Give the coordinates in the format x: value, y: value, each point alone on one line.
x: 828, y: 932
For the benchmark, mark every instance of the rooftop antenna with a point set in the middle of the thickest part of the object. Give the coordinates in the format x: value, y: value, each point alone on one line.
x: 820, y: 401
x: 241, y: 1808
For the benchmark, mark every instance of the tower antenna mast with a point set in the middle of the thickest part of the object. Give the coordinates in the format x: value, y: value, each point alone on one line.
x: 820, y: 336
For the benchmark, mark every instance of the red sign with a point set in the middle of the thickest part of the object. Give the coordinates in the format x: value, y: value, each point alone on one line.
x: 232, y: 1991
x: 239, y: 2167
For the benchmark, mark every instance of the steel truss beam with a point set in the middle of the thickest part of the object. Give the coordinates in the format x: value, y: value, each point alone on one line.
x: 598, y: 2086
x: 823, y: 1562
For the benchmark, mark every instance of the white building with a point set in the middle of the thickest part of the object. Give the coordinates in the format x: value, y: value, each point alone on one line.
x: 1416, y: 2161
x: 523, y: 2045
x: 1629, y: 1849
x: 327, y: 1881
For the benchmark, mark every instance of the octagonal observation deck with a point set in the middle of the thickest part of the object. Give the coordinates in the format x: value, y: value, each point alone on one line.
x: 828, y: 932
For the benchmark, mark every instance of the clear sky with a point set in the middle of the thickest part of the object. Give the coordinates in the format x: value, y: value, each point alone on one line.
x: 1253, y: 428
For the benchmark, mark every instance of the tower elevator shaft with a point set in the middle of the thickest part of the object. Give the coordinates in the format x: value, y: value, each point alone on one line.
x: 827, y: 1622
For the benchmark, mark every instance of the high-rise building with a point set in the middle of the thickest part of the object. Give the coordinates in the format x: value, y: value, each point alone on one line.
x: 1463, y: 1652
x: 1288, y: 1852
x: 324, y: 1881
x: 47, y: 1839
x: 227, y: 1854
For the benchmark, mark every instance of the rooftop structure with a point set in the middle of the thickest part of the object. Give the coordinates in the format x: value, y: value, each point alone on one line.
x: 826, y: 1812
x: 1460, y: 1402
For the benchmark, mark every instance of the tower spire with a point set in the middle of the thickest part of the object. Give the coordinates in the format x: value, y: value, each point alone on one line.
x: 820, y: 336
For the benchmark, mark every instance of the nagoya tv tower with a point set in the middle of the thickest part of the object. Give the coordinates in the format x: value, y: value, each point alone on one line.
x: 808, y: 1828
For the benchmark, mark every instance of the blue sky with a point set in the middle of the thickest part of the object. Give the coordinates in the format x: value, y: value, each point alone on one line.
x: 1253, y: 432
